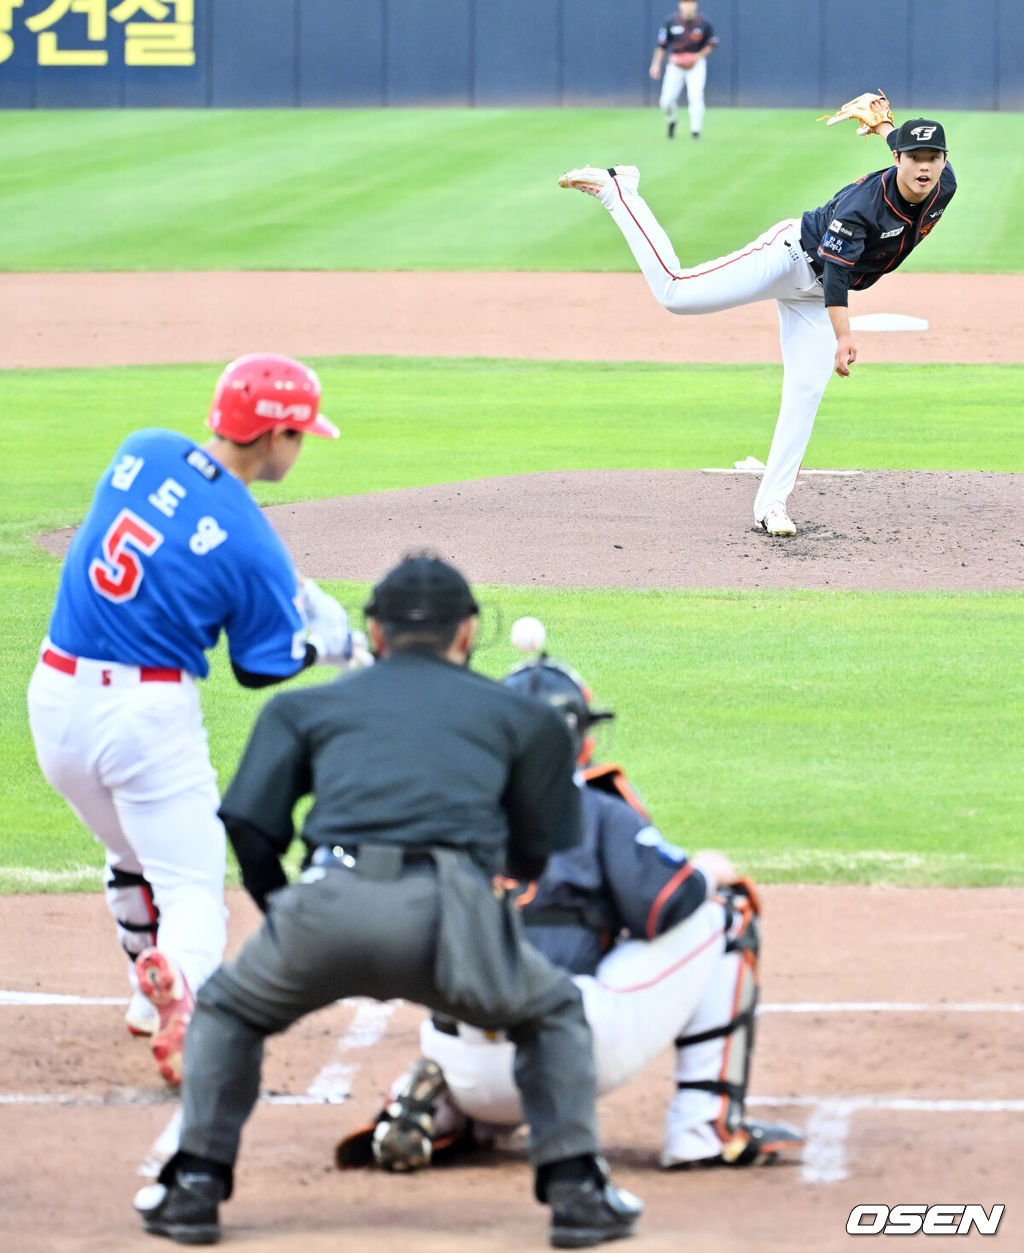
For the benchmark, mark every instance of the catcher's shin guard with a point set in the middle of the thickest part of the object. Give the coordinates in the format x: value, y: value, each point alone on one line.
x: 403, y: 1137
x: 744, y: 943
x: 419, y: 1125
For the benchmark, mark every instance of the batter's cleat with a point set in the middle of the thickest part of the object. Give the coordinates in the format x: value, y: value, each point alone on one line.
x: 141, y: 1017
x: 589, y: 1213
x: 593, y: 180
x: 777, y: 521
x: 753, y: 1144
x: 185, y: 1210
x: 404, y: 1134
x: 168, y: 992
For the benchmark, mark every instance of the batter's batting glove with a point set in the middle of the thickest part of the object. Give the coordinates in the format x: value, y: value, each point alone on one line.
x: 326, y: 626
x: 870, y: 109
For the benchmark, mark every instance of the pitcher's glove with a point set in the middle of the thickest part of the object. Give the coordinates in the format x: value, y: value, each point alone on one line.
x: 869, y: 109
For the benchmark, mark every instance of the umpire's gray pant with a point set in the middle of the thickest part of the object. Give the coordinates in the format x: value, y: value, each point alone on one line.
x: 343, y: 934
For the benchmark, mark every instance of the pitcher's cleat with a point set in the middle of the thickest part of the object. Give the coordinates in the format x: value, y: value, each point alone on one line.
x: 593, y: 180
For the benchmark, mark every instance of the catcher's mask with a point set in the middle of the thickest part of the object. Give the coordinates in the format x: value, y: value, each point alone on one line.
x: 559, y: 686
x: 263, y: 391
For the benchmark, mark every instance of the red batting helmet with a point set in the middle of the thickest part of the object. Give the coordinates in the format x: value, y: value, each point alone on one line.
x: 263, y: 391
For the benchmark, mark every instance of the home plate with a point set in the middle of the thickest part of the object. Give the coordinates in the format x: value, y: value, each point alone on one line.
x: 751, y: 465
x: 887, y: 322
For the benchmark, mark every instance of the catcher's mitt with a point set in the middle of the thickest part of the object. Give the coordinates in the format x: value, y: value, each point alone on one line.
x: 869, y: 109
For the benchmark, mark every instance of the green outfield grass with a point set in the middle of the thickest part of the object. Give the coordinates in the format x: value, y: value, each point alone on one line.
x: 459, y: 189
x: 817, y: 737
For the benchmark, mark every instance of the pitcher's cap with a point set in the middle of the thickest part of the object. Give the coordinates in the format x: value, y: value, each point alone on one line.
x: 920, y: 132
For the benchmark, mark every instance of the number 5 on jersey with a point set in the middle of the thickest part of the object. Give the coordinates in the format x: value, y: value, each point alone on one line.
x: 118, y: 575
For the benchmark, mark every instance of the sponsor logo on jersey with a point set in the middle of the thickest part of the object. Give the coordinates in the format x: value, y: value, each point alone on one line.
x: 198, y: 460
x: 938, y: 212
x: 891, y: 234
x: 837, y: 246
x: 284, y: 413
x: 840, y: 228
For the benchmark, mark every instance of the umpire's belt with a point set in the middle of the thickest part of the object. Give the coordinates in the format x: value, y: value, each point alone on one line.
x: 372, y: 861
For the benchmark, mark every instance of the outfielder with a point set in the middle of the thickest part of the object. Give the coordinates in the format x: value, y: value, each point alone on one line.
x: 685, y: 41
x: 807, y: 265
x: 664, y: 950
x: 174, y: 550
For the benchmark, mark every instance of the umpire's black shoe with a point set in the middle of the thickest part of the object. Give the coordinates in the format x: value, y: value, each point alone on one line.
x: 591, y: 1212
x: 185, y: 1210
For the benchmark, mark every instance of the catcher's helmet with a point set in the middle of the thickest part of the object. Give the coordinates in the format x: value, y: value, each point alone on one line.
x: 263, y: 390
x: 559, y: 686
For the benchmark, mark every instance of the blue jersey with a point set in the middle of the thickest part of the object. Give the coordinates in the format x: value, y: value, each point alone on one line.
x: 174, y: 550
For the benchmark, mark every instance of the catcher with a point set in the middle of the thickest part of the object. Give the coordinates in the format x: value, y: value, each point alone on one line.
x: 808, y: 265
x: 664, y: 950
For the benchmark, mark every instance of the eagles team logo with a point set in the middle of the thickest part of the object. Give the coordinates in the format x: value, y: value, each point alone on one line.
x: 923, y: 133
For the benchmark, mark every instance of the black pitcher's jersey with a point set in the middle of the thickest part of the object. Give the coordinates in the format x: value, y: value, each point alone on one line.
x: 677, y: 35
x: 868, y: 229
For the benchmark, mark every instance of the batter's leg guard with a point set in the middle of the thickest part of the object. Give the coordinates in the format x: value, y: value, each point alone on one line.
x: 739, y: 1140
x: 130, y: 901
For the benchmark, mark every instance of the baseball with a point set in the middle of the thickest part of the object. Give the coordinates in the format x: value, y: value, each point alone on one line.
x: 528, y: 635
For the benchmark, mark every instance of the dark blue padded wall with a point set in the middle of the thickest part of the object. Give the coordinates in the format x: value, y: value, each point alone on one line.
x: 342, y: 53
x: 928, y: 54
x: 429, y: 53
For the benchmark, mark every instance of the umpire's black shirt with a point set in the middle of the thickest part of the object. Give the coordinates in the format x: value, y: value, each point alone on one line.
x: 413, y: 750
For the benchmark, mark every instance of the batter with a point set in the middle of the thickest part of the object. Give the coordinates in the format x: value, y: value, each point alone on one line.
x: 174, y: 550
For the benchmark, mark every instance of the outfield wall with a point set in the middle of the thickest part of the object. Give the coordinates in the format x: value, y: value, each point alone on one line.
x: 939, y: 54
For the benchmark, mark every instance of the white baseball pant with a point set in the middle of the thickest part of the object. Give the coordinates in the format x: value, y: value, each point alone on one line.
x: 642, y: 997
x: 672, y: 82
x: 771, y: 267
x: 131, y: 759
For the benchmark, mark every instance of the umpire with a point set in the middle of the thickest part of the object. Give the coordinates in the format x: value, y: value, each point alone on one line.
x: 428, y: 779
